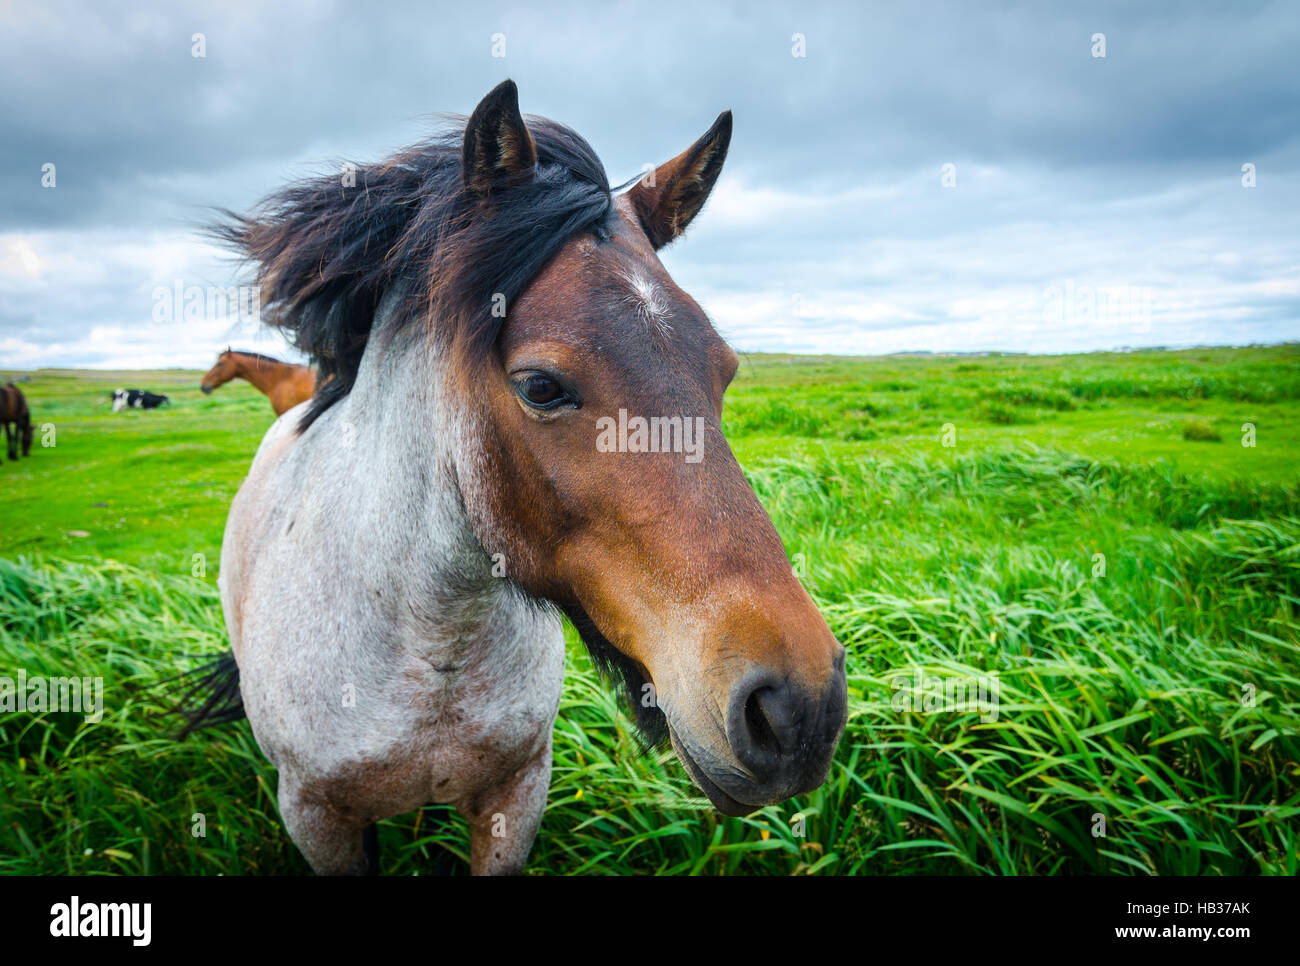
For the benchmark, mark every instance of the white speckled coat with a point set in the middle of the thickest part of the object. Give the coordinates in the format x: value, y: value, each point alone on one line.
x: 405, y: 672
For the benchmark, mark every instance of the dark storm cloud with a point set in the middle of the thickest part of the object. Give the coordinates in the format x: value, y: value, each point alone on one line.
x: 1068, y: 165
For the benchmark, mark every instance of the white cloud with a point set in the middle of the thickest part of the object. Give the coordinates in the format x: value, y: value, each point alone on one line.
x: 830, y: 229
x: 92, y: 297
x: 20, y: 258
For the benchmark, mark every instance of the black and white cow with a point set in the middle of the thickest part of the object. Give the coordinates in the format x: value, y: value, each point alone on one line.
x: 137, y: 399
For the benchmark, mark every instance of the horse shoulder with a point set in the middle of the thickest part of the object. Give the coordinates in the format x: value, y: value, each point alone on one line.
x: 246, y: 533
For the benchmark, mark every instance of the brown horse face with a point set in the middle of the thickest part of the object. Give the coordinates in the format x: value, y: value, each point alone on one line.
x: 219, y: 374
x: 614, y: 493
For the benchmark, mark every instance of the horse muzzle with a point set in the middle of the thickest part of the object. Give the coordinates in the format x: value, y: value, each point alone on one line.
x: 779, y: 741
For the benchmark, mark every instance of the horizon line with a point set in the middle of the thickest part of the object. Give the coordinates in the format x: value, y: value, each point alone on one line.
x: 974, y: 353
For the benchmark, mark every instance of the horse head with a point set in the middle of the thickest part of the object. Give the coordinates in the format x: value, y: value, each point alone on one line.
x: 223, y: 370
x: 602, y: 476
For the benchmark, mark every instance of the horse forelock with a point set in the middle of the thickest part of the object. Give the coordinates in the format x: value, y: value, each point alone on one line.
x: 326, y: 253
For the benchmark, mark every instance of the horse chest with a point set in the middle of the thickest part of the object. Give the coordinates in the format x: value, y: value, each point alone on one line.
x: 424, y: 723
x: 483, y: 733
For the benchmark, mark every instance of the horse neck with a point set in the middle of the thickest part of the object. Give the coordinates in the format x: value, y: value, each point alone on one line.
x: 399, y: 424
x: 263, y: 374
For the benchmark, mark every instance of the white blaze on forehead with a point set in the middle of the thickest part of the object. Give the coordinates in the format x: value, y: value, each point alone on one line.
x: 648, y: 299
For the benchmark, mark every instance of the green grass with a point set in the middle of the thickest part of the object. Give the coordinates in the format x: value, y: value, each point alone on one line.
x: 1135, y: 592
x: 1200, y: 430
x: 147, y: 487
x: 1128, y: 407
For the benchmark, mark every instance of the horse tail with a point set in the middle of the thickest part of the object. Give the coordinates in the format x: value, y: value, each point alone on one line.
x: 210, y: 695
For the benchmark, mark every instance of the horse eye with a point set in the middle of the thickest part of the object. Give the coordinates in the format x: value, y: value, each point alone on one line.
x: 540, y: 392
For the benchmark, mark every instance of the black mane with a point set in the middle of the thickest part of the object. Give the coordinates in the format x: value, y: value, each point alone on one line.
x: 325, y: 254
x: 258, y: 356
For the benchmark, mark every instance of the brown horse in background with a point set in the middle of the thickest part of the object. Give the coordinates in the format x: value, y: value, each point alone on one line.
x: 284, y: 383
x: 13, y: 410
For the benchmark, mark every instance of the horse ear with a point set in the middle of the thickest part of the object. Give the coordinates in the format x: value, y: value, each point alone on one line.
x: 498, y: 149
x: 667, y: 199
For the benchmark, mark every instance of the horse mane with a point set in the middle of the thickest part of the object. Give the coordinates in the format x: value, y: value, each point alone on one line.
x: 326, y: 254
x: 258, y: 356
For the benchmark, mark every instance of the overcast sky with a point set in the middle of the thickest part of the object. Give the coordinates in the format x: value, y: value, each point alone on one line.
x: 938, y: 176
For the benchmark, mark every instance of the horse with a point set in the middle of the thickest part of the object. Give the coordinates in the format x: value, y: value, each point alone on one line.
x: 138, y: 399
x: 284, y: 383
x: 485, y: 305
x: 17, y: 420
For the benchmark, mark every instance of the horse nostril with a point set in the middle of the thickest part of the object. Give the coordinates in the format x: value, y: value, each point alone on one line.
x: 762, y: 724
x: 761, y: 735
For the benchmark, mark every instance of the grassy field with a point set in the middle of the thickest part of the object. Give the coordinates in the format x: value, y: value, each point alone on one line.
x: 1091, y: 530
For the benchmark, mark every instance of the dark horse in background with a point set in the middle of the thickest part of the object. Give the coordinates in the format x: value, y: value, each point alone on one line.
x: 384, y: 662
x: 17, y: 419
x: 138, y: 399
